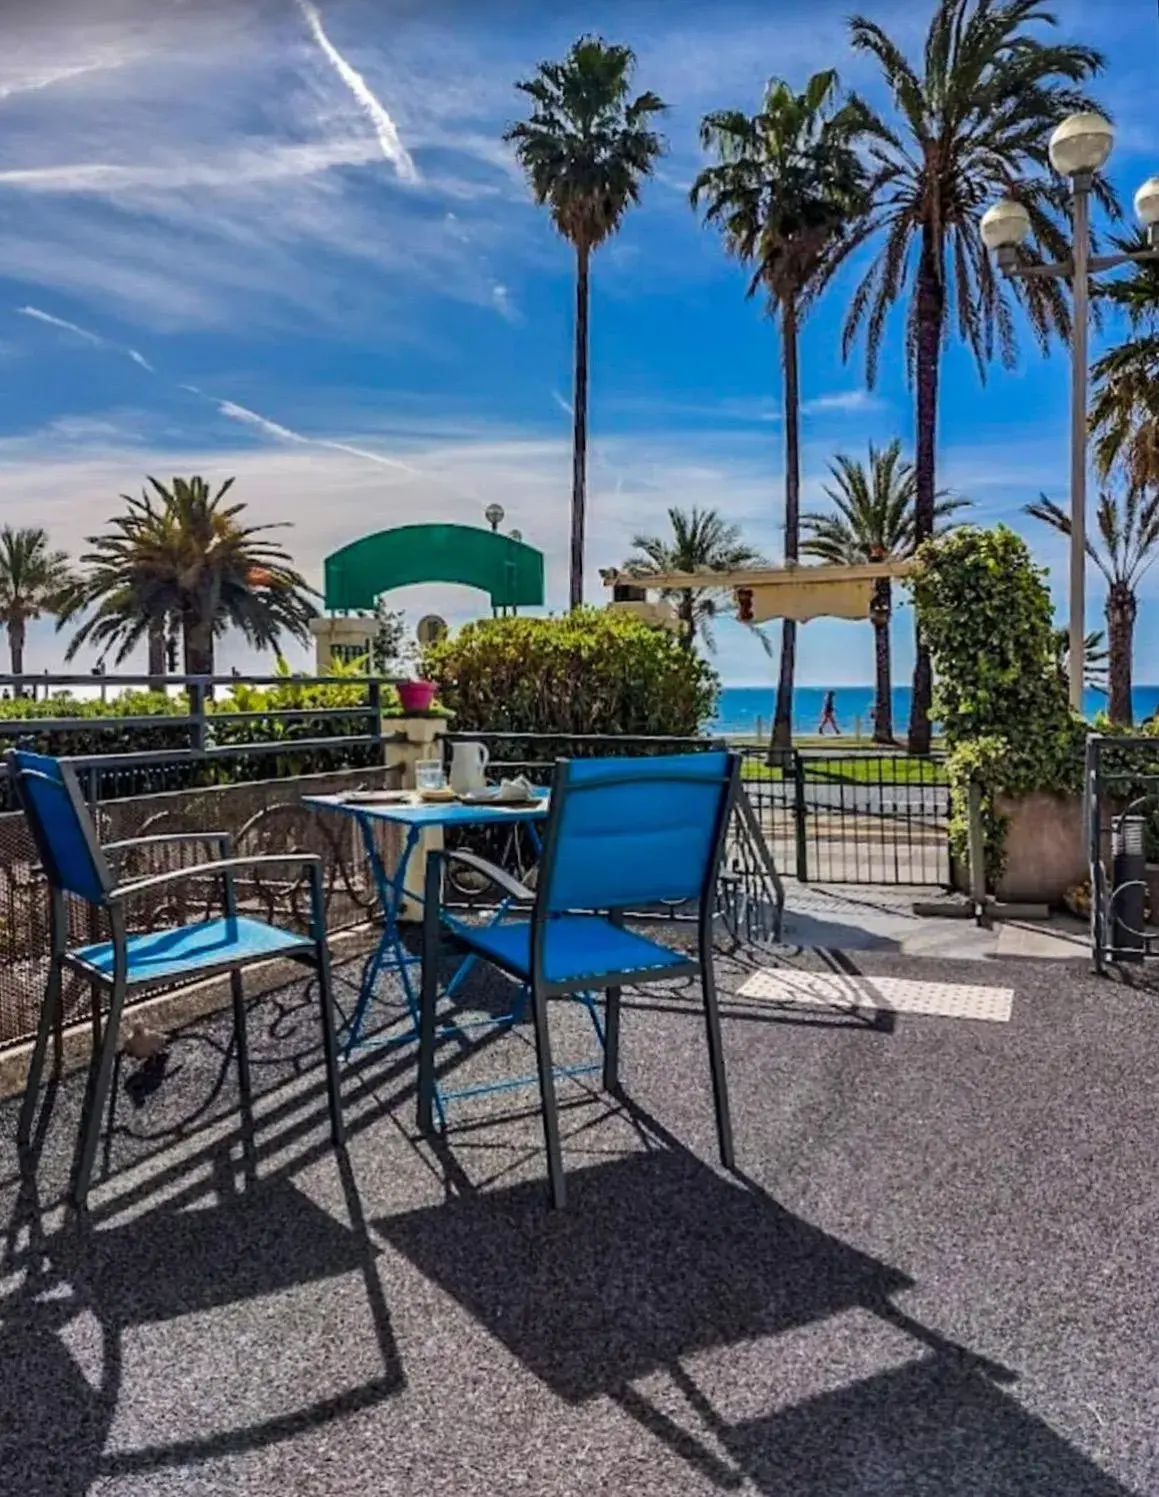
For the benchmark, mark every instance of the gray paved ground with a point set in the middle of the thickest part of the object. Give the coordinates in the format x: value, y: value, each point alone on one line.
x: 938, y: 1273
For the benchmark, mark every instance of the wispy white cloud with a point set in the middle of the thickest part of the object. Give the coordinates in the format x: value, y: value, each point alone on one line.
x: 61, y: 322
x: 33, y: 82
x: 501, y: 301
x: 282, y: 433
x: 564, y: 405
x: 241, y: 167
x: 843, y: 400
x: 384, y: 127
x: 83, y: 332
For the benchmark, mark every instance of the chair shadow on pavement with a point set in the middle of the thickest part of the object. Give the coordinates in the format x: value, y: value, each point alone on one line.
x: 658, y: 1258
x: 209, y: 1248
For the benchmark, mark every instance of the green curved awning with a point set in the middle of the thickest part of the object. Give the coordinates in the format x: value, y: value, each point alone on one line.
x: 510, y: 571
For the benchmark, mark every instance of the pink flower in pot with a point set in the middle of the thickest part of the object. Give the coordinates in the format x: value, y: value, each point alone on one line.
x: 416, y: 696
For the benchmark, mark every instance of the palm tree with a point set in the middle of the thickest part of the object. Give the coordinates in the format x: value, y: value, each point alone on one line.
x: 873, y: 520
x: 1125, y: 403
x: 586, y: 149
x: 701, y: 541
x: 786, y: 191
x: 129, y: 589
x: 33, y: 581
x: 190, y: 557
x: 971, y: 123
x: 1128, y: 529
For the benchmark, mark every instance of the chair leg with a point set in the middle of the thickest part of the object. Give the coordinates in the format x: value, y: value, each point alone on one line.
x: 716, y: 1061
x: 50, y: 1009
x: 330, y: 1044
x: 547, y: 1099
x: 612, y: 1040
x: 241, y: 1040
x: 91, y: 1124
x: 428, y: 1003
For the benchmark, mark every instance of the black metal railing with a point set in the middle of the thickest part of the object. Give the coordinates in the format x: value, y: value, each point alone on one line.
x: 205, y: 744
x: 853, y: 817
x: 1121, y: 814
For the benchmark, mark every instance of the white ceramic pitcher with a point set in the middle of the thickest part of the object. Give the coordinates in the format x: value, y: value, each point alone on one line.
x: 468, y: 767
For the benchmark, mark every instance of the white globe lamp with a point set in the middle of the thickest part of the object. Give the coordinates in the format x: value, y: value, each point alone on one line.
x: 1081, y: 144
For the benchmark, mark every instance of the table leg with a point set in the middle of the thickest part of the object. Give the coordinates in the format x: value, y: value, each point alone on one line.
x: 390, y: 951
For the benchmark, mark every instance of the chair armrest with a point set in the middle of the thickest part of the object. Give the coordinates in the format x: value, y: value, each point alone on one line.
x: 221, y: 840
x: 309, y: 860
x: 510, y: 886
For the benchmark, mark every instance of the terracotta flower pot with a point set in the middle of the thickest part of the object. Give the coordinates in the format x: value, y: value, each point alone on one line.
x: 416, y: 696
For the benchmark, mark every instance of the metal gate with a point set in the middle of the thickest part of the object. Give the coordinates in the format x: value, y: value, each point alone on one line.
x: 853, y: 817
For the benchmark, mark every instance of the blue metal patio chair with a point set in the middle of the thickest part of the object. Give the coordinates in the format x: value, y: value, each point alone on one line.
x: 76, y: 864
x: 623, y: 834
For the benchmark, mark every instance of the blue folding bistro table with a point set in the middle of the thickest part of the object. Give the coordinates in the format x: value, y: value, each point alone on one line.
x: 391, y: 955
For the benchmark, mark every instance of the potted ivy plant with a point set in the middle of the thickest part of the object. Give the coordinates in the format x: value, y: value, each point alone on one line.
x: 393, y: 652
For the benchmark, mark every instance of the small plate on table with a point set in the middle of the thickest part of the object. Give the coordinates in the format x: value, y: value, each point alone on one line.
x: 500, y: 796
x: 373, y: 797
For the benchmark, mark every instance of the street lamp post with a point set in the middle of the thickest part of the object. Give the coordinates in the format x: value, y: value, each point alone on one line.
x: 494, y: 514
x: 1078, y: 148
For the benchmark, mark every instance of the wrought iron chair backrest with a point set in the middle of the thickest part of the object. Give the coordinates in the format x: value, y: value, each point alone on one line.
x: 66, y: 839
x: 629, y: 833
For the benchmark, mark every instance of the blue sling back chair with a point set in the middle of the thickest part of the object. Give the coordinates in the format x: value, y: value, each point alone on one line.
x: 622, y: 834
x: 76, y: 864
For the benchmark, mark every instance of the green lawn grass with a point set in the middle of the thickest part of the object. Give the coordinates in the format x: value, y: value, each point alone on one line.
x: 870, y: 770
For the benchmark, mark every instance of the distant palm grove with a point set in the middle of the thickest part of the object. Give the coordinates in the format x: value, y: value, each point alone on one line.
x: 794, y: 183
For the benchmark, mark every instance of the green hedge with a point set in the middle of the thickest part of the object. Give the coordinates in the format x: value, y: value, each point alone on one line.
x: 590, y: 671
x: 19, y: 718
x: 985, y: 611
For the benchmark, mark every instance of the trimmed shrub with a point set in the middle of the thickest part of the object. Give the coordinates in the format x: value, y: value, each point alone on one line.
x: 590, y: 671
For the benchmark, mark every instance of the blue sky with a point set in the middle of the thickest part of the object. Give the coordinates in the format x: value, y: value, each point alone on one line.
x: 286, y: 242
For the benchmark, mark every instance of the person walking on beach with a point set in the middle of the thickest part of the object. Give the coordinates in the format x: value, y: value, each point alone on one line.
x: 828, y: 716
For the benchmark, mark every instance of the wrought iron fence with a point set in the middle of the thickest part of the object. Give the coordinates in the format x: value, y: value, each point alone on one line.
x: 1121, y: 811
x: 263, y: 816
x: 857, y: 817
x: 854, y: 816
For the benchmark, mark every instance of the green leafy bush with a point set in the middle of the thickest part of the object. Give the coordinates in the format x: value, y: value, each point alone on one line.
x: 584, y: 672
x: 985, y: 611
x: 19, y: 717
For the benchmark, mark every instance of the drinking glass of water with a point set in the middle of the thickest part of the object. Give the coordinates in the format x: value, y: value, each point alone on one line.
x: 430, y: 775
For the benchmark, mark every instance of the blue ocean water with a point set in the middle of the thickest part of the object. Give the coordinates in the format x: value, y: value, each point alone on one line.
x: 748, y: 710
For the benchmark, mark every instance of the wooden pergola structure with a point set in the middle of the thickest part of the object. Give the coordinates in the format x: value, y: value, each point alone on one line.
x: 763, y: 593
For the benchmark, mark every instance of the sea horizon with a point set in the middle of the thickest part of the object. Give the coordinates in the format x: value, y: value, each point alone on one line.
x: 748, y: 710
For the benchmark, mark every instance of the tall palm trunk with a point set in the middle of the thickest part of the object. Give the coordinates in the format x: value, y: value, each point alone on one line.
x: 156, y: 643
x: 198, y: 633
x: 1121, y: 609
x: 931, y: 316
x: 880, y: 611
x: 783, y: 716
x: 579, y: 458
x: 686, y: 613
x: 17, y: 632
